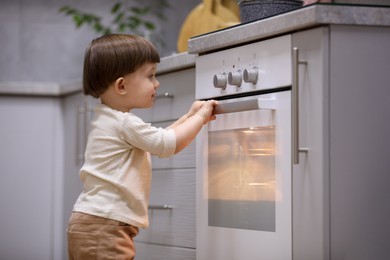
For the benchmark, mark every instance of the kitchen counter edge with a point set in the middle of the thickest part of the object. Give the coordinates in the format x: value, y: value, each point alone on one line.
x: 168, y: 64
x: 305, y: 17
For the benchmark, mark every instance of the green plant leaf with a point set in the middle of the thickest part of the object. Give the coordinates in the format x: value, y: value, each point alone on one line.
x: 98, y: 27
x: 149, y: 25
x: 135, y: 21
x: 89, y: 18
x: 116, y: 7
x: 78, y: 20
x: 127, y: 15
x: 140, y: 11
x: 122, y: 27
x: 67, y: 10
x: 119, y: 17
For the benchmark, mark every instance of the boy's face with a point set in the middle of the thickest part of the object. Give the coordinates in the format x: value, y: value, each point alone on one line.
x: 142, y: 86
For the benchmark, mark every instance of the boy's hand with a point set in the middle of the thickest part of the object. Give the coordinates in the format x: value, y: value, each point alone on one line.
x: 195, y: 107
x: 206, y: 111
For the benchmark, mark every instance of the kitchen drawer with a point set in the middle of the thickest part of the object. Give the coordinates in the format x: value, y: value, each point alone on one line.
x: 158, y: 252
x: 176, y: 226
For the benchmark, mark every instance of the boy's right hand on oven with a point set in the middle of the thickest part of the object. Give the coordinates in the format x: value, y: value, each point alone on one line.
x: 206, y: 111
x: 195, y: 107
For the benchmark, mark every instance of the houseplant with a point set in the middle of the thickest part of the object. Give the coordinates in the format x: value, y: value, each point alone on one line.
x: 137, y: 17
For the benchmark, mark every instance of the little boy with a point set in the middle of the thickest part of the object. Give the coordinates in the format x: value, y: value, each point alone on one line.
x: 120, y: 70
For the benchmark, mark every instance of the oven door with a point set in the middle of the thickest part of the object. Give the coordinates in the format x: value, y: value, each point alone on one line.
x: 244, y: 180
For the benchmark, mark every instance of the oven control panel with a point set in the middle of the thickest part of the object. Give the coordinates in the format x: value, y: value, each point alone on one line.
x: 262, y: 65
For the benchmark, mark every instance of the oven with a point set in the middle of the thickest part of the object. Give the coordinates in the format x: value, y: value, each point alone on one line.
x: 244, y: 158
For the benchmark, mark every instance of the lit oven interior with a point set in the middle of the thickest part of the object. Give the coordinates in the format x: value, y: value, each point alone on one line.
x: 241, y: 178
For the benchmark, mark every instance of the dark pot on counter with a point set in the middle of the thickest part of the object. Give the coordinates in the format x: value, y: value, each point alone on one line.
x: 251, y: 10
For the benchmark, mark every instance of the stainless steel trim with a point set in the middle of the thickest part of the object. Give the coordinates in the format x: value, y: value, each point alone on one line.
x: 295, y: 105
x: 159, y: 207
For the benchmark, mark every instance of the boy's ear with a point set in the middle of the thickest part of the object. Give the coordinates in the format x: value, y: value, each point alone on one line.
x: 119, y: 86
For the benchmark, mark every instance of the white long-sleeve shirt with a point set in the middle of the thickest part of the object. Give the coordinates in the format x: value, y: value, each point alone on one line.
x: 117, y: 168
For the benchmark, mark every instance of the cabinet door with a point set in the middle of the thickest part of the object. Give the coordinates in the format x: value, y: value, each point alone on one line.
x: 30, y: 176
x: 311, y: 175
x: 359, y: 145
x: 341, y: 185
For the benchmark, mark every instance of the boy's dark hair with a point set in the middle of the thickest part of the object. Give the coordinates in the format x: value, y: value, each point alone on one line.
x: 112, y: 56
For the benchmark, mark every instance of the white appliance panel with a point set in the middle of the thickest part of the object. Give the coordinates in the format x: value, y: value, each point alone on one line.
x: 265, y: 65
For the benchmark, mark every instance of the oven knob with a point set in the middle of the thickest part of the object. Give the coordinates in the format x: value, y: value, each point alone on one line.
x: 235, y: 78
x: 251, y: 75
x: 220, y: 81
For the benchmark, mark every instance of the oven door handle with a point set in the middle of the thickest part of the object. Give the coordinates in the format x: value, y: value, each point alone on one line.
x: 245, y: 105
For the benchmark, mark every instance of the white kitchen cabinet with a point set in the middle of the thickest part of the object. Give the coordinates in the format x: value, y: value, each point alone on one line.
x: 30, y: 138
x: 38, y: 173
x: 340, y: 196
x: 35, y: 134
x: 171, y: 234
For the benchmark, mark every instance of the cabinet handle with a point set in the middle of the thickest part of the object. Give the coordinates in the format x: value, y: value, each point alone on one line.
x: 81, y: 113
x: 295, y: 105
x: 164, y: 95
x: 164, y: 207
x: 83, y: 119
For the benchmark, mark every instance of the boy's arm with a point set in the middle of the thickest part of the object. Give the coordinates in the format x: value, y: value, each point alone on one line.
x: 190, y: 125
x: 194, y: 108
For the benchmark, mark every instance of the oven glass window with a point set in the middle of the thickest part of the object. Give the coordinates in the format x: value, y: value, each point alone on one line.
x: 241, y: 178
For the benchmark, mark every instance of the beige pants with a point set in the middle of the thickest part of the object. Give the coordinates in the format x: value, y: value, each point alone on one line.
x: 91, y: 237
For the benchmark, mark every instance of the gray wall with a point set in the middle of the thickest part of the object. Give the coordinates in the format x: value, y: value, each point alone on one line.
x: 39, y: 44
